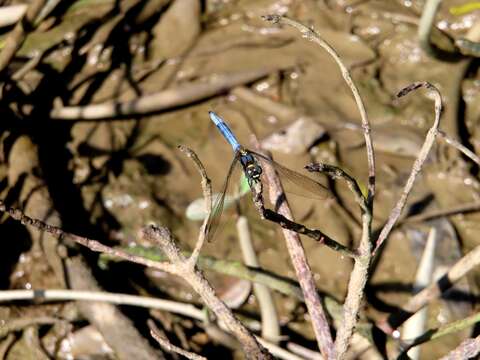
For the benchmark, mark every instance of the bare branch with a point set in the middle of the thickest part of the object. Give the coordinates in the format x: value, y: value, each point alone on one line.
x: 270, y: 322
x: 464, y: 150
x: 168, y: 346
x: 335, y: 172
x: 468, y: 349
x: 459, y: 209
x: 448, y: 329
x: 299, y: 261
x: 184, y: 309
x: 194, y: 277
x: 46, y: 295
x: 315, y: 234
x: 359, y: 275
x: 9, y: 15
x: 93, y: 245
x: 178, y: 266
x: 433, y: 291
x: 16, y: 37
x: 172, y: 97
x: 417, y: 165
x: 207, y: 195
x: 315, y: 37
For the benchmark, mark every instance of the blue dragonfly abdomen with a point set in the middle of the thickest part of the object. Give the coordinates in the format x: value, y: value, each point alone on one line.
x: 225, y: 130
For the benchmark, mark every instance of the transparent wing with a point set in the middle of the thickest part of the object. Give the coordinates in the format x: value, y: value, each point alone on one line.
x: 217, y: 208
x: 297, y: 183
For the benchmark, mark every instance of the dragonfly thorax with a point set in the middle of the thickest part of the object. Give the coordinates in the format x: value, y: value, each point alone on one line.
x: 251, y: 167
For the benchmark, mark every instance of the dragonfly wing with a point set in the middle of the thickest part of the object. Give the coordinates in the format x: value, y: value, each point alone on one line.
x: 218, y: 203
x: 297, y: 183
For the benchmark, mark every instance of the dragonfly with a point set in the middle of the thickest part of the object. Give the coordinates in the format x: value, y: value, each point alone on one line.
x: 250, y: 163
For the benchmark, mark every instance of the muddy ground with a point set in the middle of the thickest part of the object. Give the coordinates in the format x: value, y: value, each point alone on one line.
x: 107, y: 176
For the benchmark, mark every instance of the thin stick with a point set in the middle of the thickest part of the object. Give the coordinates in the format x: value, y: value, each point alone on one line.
x: 207, y: 195
x: 419, y: 161
x: 9, y: 15
x: 16, y: 37
x: 359, y: 275
x: 335, y: 172
x: 448, y: 329
x: 460, y: 209
x: 47, y: 295
x: 172, y: 97
x: 281, y: 284
x: 313, y: 36
x: 356, y: 286
x: 468, y: 349
x: 278, y: 351
x: 433, y: 291
x: 93, y: 245
x: 184, y: 309
x: 270, y: 323
x: 168, y: 346
x: 194, y: 277
x: 299, y: 262
x: 425, y: 28
x: 29, y: 65
x: 237, y: 269
x: 463, y: 149
x: 315, y: 234
x: 178, y: 266
x: 20, y: 323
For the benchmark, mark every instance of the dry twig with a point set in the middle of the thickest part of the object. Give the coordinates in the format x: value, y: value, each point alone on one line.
x: 463, y: 149
x: 9, y: 15
x: 359, y: 275
x: 207, y: 194
x: 168, y: 346
x: 172, y: 97
x: 178, y: 265
x: 459, y: 209
x: 315, y: 37
x: 16, y: 37
x: 433, y: 291
x: 447, y: 329
x: 184, y: 309
x: 315, y: 234
x: 270, y: 322
x: 468, y: 349
x: 417, y: 165
x: 362, y: 258
x: 299, y: 261
x: 46, y: 295
x: 194, y: 277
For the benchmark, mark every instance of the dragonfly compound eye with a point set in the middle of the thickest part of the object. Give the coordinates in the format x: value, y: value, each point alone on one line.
x: 254, y: 172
